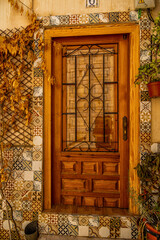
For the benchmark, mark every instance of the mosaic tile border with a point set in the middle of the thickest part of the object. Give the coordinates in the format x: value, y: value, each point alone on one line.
x: 26, y: 184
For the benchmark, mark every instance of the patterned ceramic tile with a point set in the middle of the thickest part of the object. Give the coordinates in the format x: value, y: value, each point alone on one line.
x: 114, y: 16
x: 1, y: 225
x: 37, y: 140
x: 8, y: 191
x: 6, y: 215
x: 52, y: 219
x: 46, y: 21
x: 28, y: 185
x: 37, y: 186
x: 125, y: 222
x: 145, y: 117
x: 74, y: 19
x: 73, y: 220
x: 38, y: 92
x: 17, y: 165
x: 145, y: 105
x: 27, y: 165
x: 63, y: 219
x: 104, y: 232
x: 1, y: 204
x: 115, y: 227
x: 43, y: 228
x: 83, y: 231
x: 42, y: 218
x: 64, y: 19
x: 134, y: 229
x: 17, y: 205
x: 37, y: 196
x: 93, y: 232
x: 28, y: 175
x: 93, y: 221
x: 35, y: 215
x: 18, y: 185
x: 124, y: 16
x: 83, y: 221
x: 145, y: 147
x: 144, y: 44
x: 4, y: 234
x: 37, y: 175
x: 145, y: 96
x: 36, y: 206
x: 93, y: 18
x: 53, y: 229
x: 27, y: 155
x: 72, y: 230
x: 145, y: 34
x: 104, y: 17
x: 1, y: 214
x: 133, y: 15
x: 38, y: 73
x: 27, y: 195
x: 37, y: 131
x: 145, y: 56
x: 37, y: 121
x: 145, y: 137
x: 125, y: 233
x: 145, y: 127
x: 27, y: 215
x: 145, y: 23
x: 37, y: 165
x: 63, y: 230
x: 37, y: 64
x: 104, y: 221
x: 54, y: 20
x: 83, y: 18
x: 17, y: 215
x: 18, y: 175
x: 14, y: 235
x: 37, y: 81
x: 26, y: 205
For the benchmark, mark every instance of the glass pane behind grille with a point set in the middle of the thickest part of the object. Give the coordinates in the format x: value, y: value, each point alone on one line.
x: 90, y: 93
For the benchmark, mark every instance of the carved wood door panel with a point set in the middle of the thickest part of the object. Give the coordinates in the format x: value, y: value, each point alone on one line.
x: 89, y: 121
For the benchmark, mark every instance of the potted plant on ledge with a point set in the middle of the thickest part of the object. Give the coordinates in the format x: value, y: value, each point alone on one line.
x: 148, y: 199
x: 149, y: 73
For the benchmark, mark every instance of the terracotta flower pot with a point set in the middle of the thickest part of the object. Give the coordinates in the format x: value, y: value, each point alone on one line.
x: 154, y: 89
x: 152, y: 234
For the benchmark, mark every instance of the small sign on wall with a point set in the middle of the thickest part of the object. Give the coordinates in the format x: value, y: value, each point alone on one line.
x: 92, y: 3
x: 144, y: 4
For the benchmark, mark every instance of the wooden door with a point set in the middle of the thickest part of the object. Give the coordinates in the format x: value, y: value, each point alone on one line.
x: 90, y: 121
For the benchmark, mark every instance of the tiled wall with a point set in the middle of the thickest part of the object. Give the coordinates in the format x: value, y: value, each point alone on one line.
x: 24, y: 188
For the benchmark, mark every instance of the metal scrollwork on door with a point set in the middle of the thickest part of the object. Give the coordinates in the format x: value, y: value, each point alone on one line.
x: 90, y: 98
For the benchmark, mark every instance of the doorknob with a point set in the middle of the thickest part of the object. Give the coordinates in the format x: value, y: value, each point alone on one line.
x: 124, y: 128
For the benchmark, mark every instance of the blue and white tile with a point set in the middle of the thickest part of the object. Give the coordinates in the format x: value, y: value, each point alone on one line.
x: 133, y: 15
x: 73, y: 220
x: 37, y: 186
x: 54, y: 20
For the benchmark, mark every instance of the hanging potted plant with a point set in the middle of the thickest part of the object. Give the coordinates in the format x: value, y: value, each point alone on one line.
x: 149, y: 73
x: 148, y: 199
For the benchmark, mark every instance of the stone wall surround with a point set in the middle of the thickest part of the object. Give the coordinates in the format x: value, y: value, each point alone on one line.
x: 24, y: 188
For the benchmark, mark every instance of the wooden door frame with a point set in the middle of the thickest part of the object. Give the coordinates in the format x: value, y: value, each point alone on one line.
x: 134, y: 111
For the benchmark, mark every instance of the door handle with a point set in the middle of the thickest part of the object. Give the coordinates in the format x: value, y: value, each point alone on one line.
x: 125, y: 128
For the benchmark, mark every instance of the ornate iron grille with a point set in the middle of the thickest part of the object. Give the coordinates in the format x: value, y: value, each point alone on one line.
x: 90, y: 98
x: 22, y: 136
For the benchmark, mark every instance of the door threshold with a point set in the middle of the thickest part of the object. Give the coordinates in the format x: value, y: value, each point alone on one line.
x: 68, y: 209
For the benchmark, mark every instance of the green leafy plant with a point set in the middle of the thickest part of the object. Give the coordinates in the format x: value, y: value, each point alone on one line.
x: 150, y: 72
x: 148, y: 199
